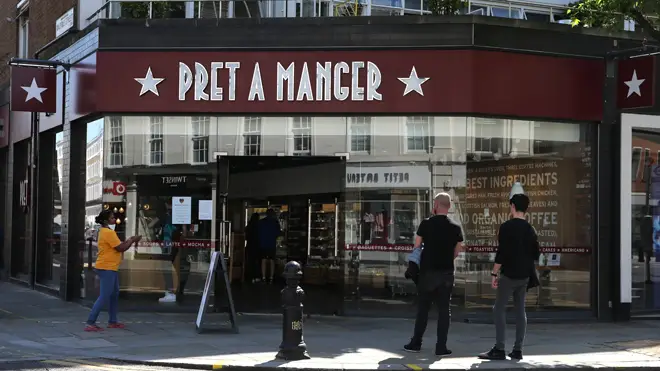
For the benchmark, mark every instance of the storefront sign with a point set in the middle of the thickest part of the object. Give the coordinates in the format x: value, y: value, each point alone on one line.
x: 376, y: 81
x: 636, y: 82
x: 33, y: 89
x: 64, y: 23
x: 388, y: 177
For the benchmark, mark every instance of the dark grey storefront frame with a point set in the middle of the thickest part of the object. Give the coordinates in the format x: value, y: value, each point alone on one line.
x: 360, y: 33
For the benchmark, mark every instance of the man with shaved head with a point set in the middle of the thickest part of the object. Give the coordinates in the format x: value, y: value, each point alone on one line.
x: 442, y: 239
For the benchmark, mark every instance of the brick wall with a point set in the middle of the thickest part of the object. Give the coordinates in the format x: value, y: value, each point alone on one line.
x: 43, y: 14
x: 7, y: 36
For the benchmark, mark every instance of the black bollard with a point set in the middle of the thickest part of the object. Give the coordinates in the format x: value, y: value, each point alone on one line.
x: 293, y: 346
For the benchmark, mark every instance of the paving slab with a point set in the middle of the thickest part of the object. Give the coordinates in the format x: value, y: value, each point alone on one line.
x: 48, y: 328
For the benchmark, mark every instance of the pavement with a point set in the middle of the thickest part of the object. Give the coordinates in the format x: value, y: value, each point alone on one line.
x: 37, y: 327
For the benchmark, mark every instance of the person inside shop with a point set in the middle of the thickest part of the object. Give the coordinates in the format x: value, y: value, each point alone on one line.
x: 170, y: 235
x: 268, y: 230
x: 443, y: 240
x: 110, y: 252
x: 517, y: 249
x: 252, y: 248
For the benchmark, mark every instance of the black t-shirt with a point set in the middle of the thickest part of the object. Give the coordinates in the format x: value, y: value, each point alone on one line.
x: 518, y: 247
x: 440, y: 236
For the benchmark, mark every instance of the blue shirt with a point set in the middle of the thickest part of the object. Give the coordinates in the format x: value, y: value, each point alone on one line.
x: 269, y: 230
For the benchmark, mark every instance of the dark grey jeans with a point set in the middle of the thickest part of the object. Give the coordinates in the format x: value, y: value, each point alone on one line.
x: 506, y: 288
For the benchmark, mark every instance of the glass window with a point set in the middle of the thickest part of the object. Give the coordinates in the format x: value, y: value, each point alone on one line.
x: 506, y: 12
x: 302, y: 136
x: 360, y: 134
x: 418, y: 134
x: 350, y: 221
x: 200, y: 138
x: 252, y: 136
x: 116, y: 141
x: 156, y: 141
x: 636, y: 162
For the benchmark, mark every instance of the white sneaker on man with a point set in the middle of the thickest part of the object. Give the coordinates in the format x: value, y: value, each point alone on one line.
x: 168, y: 298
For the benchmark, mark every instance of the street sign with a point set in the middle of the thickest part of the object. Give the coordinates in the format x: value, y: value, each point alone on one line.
x: 33, y: 89
x: 636, y: 80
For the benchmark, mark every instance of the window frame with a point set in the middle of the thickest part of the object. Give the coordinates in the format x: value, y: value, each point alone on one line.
x: 369, y: 123
x: 155, y: 139
x: 429, y: 136
x: 205, y: 123
x: 251, y: 134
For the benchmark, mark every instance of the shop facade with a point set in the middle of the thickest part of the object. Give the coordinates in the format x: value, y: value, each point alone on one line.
x: 347, y: 147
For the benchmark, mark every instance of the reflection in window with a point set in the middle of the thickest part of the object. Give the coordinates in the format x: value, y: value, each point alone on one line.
x: 252, y: 136
x: 361, y: 134
x: 200, y: 138
x: 302, y: 136
x: 646, y: 162
x: 156, y: 141
x: 418, y: 133
x: 636, y: 160
x: 116, y: 141
x: 488, y: 135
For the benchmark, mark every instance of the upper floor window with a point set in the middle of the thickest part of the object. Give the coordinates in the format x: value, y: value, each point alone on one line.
x: 418, y: 134
x: 23, y: 36
x: 252, y: 136
x: 488, y: 134
x: 116, y: 141
x: 302, y: 136
x: 361, y: 134
x: 156, y: 141
x: 201, y: 126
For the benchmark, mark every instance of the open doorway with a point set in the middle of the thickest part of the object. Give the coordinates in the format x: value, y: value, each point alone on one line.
x: 283, y: 209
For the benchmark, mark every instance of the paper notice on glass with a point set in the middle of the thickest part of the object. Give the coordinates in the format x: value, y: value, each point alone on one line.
x: 181, y: 210
x: 205, y: 209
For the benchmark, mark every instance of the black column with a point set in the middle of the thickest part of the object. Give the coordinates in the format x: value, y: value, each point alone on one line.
x: 44, y: 232
x: 75, y: 224
x: 608, y: 201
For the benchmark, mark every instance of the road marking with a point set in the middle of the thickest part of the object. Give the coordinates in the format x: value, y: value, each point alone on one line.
x: 217, y: 366
x: 414, y: 367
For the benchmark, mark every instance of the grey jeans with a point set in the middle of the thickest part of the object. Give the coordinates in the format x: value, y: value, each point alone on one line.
x: 506, y: 288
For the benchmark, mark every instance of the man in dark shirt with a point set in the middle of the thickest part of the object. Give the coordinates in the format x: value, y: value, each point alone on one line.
x: 517, y: 249
x: 442, y: 239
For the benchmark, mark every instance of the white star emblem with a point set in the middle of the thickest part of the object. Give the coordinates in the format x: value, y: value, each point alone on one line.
x: 149, y: 83
x: 33, y: 91
x: 413, y: 83
x: 634, y: 84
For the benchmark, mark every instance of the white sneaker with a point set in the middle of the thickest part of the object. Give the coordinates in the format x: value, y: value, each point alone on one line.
x: 168, y: 298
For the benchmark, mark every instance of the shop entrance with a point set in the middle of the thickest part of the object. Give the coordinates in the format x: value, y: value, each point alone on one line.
x: 303, y: 197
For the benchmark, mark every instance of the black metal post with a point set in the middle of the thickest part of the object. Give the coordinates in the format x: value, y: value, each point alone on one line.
x: 293, y: 345
x: 32, y: 197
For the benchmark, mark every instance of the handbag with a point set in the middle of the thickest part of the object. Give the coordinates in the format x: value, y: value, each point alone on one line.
x: 533, y: 281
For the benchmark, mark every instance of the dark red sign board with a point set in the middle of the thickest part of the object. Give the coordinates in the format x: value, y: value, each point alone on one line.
x: 33, y: 89
x: 350, y: 82
x: 636, y: 83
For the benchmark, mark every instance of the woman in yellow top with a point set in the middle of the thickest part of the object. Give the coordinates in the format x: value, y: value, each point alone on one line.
x: 107, y: 264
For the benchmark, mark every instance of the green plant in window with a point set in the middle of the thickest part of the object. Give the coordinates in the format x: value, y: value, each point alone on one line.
x: 445, y: 7
x: 612, y: 14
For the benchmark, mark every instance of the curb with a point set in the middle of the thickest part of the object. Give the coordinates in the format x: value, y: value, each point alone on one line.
x: 283, y: 366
